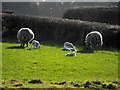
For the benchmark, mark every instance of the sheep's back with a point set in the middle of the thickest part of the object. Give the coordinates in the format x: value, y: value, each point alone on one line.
x: 93, y: 38
x: 25, y: 35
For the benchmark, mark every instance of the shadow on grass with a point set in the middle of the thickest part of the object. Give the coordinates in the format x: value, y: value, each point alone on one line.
x: 58, y: 44
x: 15, y: 47
x: 46, y: 43
x: 33, y: 48
x: 86, y: 50
x: 18, y: 47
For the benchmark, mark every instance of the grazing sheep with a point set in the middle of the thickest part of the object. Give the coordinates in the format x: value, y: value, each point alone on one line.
x: 24, y: 36
x: 71, y: 54
x: 94, y: 39
x: 36, y: 44
x: 69, y: 47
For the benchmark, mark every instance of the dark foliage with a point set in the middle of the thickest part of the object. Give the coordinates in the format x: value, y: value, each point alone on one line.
x: 7, y: 12
x: 60, y: 30
x: 118, y: 5
x: 97, y: 14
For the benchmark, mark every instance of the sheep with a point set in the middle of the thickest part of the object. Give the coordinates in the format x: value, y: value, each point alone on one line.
x: 94, y: 39
x: 24, y: 36
x: 36, y: 44
x: 71, y: 54
x: 69, y: 47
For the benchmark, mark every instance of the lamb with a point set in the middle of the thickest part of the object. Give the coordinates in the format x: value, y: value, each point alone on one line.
x: 36, y: 44
x: 94, y: 39
x: 24, y: 36
x: 69, y: 47
x: 71, y: 54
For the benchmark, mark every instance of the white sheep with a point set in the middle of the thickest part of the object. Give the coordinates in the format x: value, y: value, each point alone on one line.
x: 94, y: 39
x: 71, y: 54
x: 69, y: 47
x: 35, y: 44
x: 24, y: 36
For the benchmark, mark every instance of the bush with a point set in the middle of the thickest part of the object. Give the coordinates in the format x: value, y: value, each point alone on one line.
x: 60, y: 30
x: 95, y: 14
x: 118, y: 5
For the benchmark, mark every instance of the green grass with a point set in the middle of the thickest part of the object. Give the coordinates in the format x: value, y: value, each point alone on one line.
x: 49, y: 64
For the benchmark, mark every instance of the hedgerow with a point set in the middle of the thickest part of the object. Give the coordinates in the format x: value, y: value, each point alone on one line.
x: 97, y: 14
x: 60, y: 30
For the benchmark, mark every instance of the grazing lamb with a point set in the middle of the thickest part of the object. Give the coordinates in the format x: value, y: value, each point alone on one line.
x: 24, y: 36
x: 69, y: 47
x: 71, y: 54
x: 36, y: 44
x: 94, y: 39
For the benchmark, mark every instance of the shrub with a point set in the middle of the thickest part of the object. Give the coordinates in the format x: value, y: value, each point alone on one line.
x: 118, y: 5
x: 95, y: 14
x: 60, y: 30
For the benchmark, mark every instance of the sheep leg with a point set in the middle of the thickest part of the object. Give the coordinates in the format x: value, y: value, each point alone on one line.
x: 26, y: 44
x: 87, y: 45
x: 31, y: 46
x: 100, y: 46
x: 22, y: 45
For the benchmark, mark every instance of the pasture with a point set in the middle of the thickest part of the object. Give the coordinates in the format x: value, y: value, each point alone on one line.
x: 48, y: 67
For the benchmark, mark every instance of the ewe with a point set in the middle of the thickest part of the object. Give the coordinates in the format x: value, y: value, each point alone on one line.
x: 24, y: 36
x: 94, y: 39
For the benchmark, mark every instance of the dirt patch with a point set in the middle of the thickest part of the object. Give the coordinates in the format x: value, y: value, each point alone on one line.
x: 94, y: 84
x: 17, y: 84
x: 35, y: 81
x: 75, y: 84
x: 115, y: 82
x: 87, y: 84
x: 15, y: 47
x: 3, y: 82
x: 97, y: 85
x: 12, y: 81
x: 110, y: 86
x: 60, y: 83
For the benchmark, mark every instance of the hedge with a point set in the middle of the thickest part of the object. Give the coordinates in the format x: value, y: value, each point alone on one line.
x: 94, y: 14
x: 60, y: 30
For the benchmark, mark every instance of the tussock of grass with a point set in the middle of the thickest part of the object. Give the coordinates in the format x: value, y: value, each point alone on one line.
x: 49, y: 64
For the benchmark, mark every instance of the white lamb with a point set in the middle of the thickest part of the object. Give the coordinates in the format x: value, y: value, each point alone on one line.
x: 71, y: 54
x: 69, y: 47
x: 35, y: 44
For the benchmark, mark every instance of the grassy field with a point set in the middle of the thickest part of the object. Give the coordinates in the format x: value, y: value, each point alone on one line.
x: 50, y: 66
